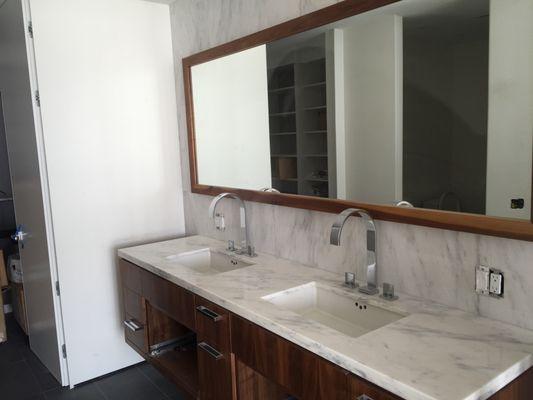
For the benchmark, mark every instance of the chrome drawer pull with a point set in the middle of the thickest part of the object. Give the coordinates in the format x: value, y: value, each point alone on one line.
x: 364, y: 397
x: 209, y: 314
x: 210, y: 350
x: 132, y: 325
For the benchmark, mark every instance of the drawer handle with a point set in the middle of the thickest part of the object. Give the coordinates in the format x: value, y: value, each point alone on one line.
x: 210, y: 350
x: 133, y: 325
x: 364, y: 397
x: 209, y: 314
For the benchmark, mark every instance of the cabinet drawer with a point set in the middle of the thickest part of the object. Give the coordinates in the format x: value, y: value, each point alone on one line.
x: 131, y: 276
x: 212, y: 324
x: 362, y: 389
x: 133, y: 305
x: 215, y: 373
x: 173, y: 300
x: 135, y: 333
x: 302, y: 373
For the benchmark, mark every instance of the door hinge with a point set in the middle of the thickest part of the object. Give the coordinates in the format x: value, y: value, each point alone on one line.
x: 58, y: 291
x: 30, y: 29
x: 38, y: 98
x: 64, y: 350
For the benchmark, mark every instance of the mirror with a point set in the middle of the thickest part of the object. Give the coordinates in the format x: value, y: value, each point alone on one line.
x: 429, y: 102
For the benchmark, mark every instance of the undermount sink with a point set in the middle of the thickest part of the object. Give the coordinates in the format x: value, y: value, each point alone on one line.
x: 341, y: 313
x: 207, y: 261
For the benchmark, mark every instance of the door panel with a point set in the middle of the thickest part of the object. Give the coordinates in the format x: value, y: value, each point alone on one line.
x: 108, y: 104
x: 28, y: 189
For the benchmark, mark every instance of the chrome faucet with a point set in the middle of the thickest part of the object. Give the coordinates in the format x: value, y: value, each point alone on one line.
x: 246, y: 245
x: 371, y: 254
x: 269, y: 190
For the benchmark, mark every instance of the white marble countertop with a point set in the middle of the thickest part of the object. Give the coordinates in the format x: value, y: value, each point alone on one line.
x: 435, y: 353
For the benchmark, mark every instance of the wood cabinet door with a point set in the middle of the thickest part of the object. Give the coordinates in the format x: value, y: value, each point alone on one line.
x: 176, y: 302
x: 135, y: 333
x: 130, y: 276
x: 302, y: 373
x: 361, y: 388
x: 214, y: 373
x: 212, y: 324
x: 134, y: 310
x: 333, y: 382
x: 519, y: 389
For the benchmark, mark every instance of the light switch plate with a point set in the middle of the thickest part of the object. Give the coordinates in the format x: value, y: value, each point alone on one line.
x: 482, y: 279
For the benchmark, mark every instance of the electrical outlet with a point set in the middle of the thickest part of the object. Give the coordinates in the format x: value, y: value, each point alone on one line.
x: 496, y: 284
x: 489, y: 282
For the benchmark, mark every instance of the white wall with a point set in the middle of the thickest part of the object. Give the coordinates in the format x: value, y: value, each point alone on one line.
x: 373, y: 110
x: 337, y: 37
x: 230, y: 96
x: 510, y: 128
x: 106, y: 78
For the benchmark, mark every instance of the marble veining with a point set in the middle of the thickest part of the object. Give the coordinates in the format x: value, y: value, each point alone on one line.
x: 435, y: 264
x: 434, y: 353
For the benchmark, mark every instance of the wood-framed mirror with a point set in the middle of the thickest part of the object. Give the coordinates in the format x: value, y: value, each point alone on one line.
x: 375, y: 104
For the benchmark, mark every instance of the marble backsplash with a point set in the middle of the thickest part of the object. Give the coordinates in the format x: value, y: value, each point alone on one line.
x: 431, y: 263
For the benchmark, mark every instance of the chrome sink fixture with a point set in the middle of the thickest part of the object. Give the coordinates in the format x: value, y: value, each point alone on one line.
x: 207, y: 261
x: 371, y: 252
x: 321, y: 304
x: 246, y: 245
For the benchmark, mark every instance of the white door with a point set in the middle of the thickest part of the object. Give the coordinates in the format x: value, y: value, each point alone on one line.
x: 29, y: 188
x: 108, y: 105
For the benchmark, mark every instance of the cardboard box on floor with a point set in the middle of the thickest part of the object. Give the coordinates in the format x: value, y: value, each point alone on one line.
x: 3, y: 272
x: 3, y: 332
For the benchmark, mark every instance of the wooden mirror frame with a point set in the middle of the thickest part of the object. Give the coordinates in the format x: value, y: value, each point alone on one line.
x: 474, y: 223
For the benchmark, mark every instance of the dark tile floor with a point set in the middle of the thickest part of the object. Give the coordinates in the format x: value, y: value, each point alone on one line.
x: 23, y: 377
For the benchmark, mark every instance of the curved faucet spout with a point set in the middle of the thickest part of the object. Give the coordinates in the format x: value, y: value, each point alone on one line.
x: 246, y: 245
x: 214, y: 203
x: 371, y: 252
x: 336, y: 229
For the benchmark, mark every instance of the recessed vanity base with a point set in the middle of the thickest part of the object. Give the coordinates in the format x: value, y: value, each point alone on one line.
x: 213, y: 354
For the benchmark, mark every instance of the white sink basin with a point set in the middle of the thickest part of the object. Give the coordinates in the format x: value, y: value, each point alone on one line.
x: 341, y: 313
x: 207, y: 261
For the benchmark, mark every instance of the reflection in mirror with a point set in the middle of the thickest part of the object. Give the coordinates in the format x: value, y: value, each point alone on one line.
x: 424, y: 101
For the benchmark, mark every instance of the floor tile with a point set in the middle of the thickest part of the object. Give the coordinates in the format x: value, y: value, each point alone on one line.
x: 45, y: 379
x: 89, y: 391
x: 164, y: 385
x: 18, y: 383
x: 10, y: 353
x: 14, y: 333
x: 24, y: 377
x: 129, y: 384
x: 33, y: 361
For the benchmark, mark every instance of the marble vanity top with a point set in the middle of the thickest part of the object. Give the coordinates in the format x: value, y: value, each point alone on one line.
x: 436, y: 352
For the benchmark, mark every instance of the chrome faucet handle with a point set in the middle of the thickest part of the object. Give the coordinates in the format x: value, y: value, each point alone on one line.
x: 388, y: 292
x: 250, y: 251
x: 369, y: 289
x: 349, y: 280
x: 231, y: 245
x: 247, y: 251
